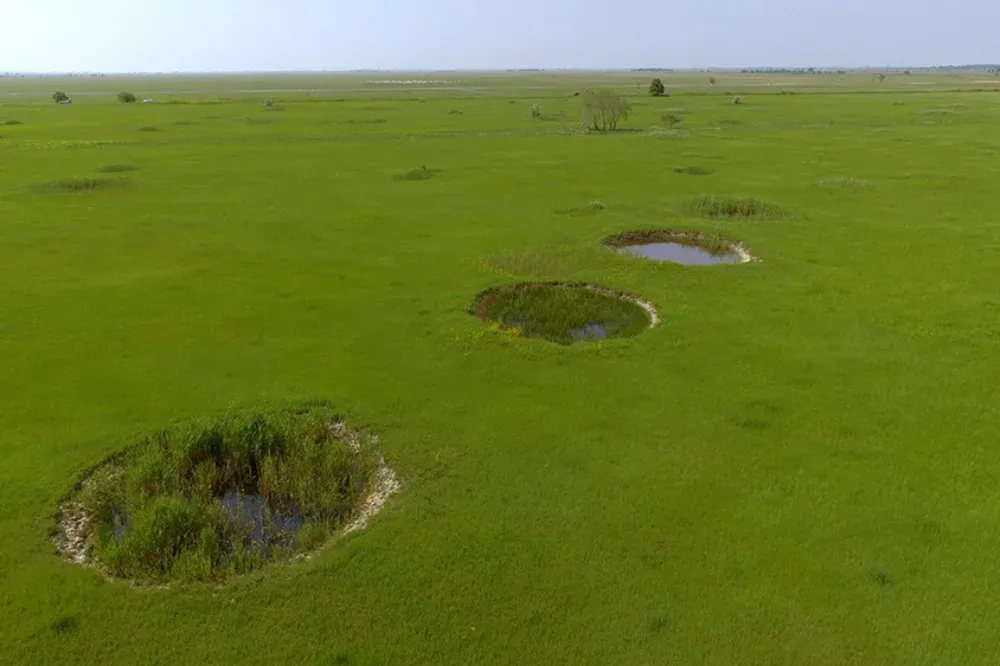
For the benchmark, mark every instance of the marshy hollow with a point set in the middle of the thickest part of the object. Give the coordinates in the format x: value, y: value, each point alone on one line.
x: 691, y: 248
x: 204, y: 501
x: 564, y: 313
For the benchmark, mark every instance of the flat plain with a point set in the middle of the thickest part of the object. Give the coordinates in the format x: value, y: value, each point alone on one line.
x: 799, y: 465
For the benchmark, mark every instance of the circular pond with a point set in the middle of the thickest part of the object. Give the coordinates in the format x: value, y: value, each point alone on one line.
x: 565, y: 313
x: 682, y: 247
x: 208, y: 500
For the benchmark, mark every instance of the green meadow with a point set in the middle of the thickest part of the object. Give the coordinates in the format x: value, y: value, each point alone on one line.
x: 798, y: 465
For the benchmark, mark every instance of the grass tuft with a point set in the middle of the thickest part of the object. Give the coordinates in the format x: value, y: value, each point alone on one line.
x: 117, y: 168
x: 420, y: 173
x: 66, y: 624
x: 149, y: 128
x: 847, y: 182
x: 695, y: 171
x: 11, y: 123
x: 733, y: 208
x: 78, y: 185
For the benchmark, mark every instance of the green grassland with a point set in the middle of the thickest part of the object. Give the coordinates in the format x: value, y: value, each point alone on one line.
x: 799, y: 465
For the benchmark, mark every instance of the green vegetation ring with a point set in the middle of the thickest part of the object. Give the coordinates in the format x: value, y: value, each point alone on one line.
x: 208, y: 500
x: 563, y: 312
x: 711, y: 245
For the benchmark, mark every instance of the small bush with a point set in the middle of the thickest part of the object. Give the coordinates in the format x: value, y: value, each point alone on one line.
x: 670, y: 119
x: 456, y: 112
x: 733, y: 208
x: 126, y: 98
x: 11, y: 123
x: 694, y: 171
x: 117, y: 168
x: 420, y: 173
x: 536, y: 111
x: 59, y: 96
x: 657, y: 89
x: 149, y: 128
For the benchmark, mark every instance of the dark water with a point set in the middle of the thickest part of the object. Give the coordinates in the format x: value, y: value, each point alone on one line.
x: 680, y: 253
x: 595, y: 331
x: 250, y: 513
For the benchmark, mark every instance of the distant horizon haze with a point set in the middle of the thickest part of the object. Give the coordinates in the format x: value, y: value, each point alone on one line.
x: 308, y: 36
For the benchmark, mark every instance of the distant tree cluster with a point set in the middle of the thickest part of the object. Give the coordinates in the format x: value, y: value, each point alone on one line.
x: 603, y: 109
x: 780, y: 70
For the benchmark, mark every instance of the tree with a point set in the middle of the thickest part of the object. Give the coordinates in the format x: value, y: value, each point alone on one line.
x: 59, y: 96
x: 126, y: 98
x: 711, y: 80
x: 603, y: 109
x: 657, y: 89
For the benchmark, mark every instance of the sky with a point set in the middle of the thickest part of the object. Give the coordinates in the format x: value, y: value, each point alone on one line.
x: 280, y: 35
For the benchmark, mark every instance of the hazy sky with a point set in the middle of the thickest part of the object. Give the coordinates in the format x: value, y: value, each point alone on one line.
x: 221, y: 35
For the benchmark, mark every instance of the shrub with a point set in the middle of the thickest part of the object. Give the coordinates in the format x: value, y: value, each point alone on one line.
x: 670, y: 118
x: 11, y: 123
x: 59, y: 96
x: 711, y: 80
x: 149, y: 128
x: 657, y: 89
x: 126, y: 98
x: 603, y: 109
x: 536, y: 111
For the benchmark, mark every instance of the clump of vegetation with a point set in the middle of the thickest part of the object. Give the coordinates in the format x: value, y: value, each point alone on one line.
x: 77, y: 185
x: 734, y: 208
x: 456, y: 112
x: 536, y: 111
x: 657, y: 89
x: 11, y: 123
x: 603, y: 109
x: 591, y: 208
x: 126, y: 98
x: 149, y: 128
x: 117, y: 168
x: 60, y: 96
x: 207, y: 500
x: 694, y: 170
x: 561, y: 313
x: 420, y: 173
x: 65, y: 624
x: 670, y: 119
x: 530, y: 264
x: 847, y: 182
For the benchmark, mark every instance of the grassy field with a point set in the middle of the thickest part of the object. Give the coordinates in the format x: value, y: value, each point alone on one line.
x: 797, y: 466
